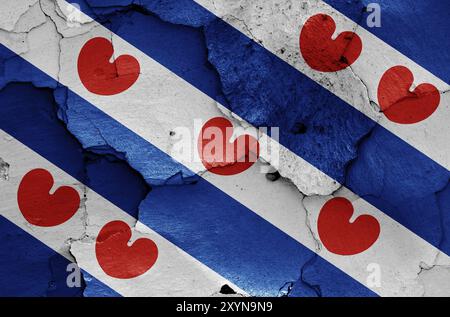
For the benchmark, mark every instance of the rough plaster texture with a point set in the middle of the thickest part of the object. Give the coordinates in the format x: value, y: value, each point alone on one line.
x: 100, y: 152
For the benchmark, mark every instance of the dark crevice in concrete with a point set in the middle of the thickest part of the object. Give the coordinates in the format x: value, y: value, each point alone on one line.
x: 227, y: 290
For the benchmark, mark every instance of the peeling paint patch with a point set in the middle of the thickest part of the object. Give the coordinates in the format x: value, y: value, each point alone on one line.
x: 4, y: 170
x: 96, y: 170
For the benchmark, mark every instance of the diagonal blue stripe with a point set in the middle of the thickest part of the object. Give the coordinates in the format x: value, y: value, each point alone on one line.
x: 262, y: 258
x: 266, y: 91
x: 418, y: 29
x: 30, y: 268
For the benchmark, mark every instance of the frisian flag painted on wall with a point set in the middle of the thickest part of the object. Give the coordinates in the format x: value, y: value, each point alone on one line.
x: 170, y: 148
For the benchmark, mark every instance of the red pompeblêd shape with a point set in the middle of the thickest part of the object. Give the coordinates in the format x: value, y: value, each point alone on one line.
x: 39, y: 207
x: 340, y: 236
x: 99, y: 75
x: 399, y: 104
x: 219, y: 155
x: 117, y: 258
x: 321, y: 52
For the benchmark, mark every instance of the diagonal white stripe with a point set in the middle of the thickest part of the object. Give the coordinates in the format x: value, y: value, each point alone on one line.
x: 175, y: 272
x: 160, y: 101
x: 276, y: 24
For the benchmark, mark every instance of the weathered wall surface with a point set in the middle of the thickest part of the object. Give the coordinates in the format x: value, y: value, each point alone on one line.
x: 208, y: 50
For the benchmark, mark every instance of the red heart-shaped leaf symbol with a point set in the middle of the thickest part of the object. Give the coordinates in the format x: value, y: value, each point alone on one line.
x: 340, y: 236
x: 41, y: 208
x: 399, y: 104
x: 99, y: 75
x: 221, y: 157
x: 119, y: 260
x: 321, y: 52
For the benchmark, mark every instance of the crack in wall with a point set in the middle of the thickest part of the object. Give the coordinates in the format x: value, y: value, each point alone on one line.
x: 61, y: 112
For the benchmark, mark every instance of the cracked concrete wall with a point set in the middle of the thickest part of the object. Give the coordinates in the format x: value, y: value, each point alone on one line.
x: 100, y: 151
